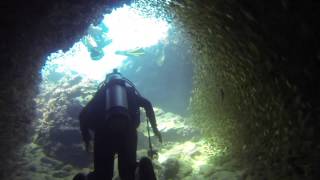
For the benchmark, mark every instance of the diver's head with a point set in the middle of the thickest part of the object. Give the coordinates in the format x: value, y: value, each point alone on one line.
x: 114, y: 75
x: 116, y: 71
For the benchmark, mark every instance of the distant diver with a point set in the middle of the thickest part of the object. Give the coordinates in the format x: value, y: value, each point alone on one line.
x: 96, y: 40
x: 113, y: 116
x: 132, y: 52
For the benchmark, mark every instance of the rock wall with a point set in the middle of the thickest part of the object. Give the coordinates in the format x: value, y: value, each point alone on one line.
x: 256, y: 82
x: 29, y: 31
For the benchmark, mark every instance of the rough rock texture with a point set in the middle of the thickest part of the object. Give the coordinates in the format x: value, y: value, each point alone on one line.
x: 59, y: 104
x: 36, y: 165
x: 267, y: 79
x: 29, y: 31
x: 257, y: 82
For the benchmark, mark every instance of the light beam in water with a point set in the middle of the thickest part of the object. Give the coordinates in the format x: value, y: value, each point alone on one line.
x: 128, y: 29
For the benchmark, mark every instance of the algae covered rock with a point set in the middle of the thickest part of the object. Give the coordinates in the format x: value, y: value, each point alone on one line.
x: 58, y: 128
x: 171, y: 168
x: 225, y: 175
x: 173, y: 127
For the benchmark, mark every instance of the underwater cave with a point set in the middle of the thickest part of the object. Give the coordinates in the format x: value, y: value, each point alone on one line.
x: 234, y: 84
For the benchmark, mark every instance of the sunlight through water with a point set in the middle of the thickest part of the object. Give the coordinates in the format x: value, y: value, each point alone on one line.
x: 127, y: 29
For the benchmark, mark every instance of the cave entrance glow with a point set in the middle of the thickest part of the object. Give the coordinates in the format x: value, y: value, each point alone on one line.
x: 155, y: 55
x: 124, y: 30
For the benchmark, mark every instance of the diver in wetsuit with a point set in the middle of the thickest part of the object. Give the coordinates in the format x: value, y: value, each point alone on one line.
x: 113, y: 115
x: 96, y: 40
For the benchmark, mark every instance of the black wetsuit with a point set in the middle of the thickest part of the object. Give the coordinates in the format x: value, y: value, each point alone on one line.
x: 108, y: 142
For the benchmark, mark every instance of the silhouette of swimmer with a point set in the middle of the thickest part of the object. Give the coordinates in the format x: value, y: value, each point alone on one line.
x: 96, y: 40
x: 113, y: 116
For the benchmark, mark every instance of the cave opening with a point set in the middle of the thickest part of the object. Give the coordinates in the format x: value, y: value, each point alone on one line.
x: 152, y: 52
x: 250, y: 68
x: 125, y: 33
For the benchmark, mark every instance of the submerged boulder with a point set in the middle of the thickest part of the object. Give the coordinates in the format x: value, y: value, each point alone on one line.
x: 58, y: 127
x: 171, y: 168
x: 225, y: 175
x: 173, y: 127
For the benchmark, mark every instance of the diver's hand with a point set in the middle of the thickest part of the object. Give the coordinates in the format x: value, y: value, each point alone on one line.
x: 158, y: 134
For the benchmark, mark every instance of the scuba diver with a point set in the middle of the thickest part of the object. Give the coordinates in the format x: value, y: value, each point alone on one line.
x: 113, y: 116
x: 136, y: 52
x: 96, y: 40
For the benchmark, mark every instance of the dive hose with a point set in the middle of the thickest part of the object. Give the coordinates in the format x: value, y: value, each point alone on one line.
x: 151, y: 152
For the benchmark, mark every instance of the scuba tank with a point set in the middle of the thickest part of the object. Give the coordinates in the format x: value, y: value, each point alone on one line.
x: 116, y: 97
